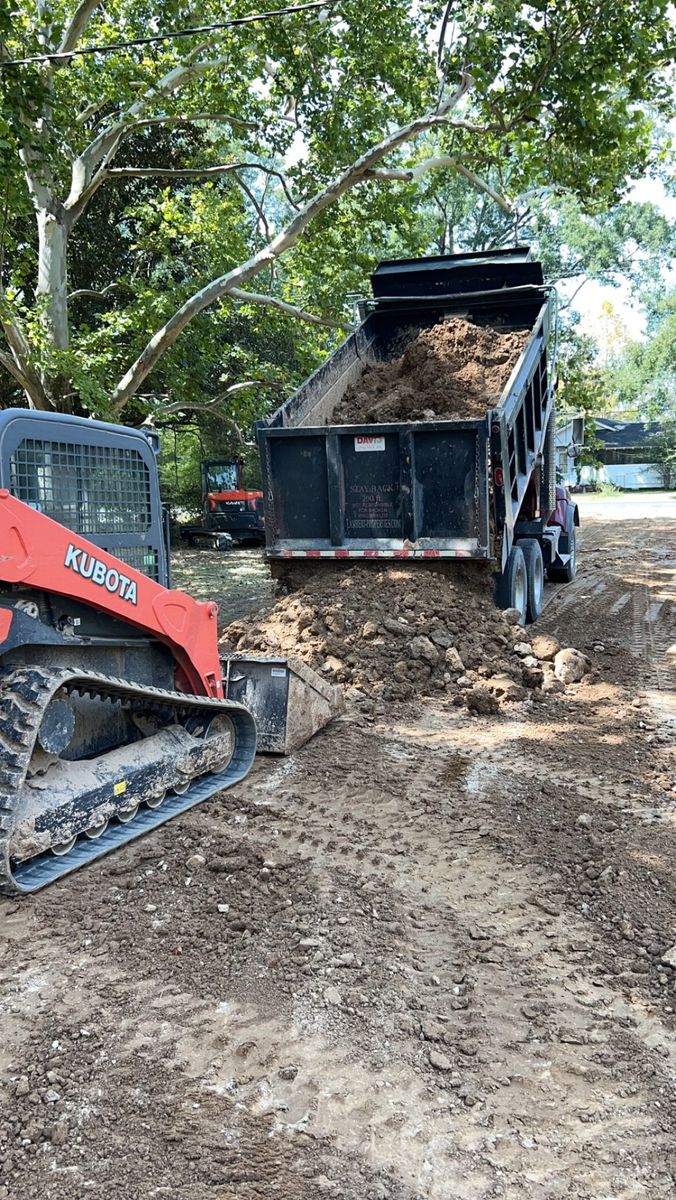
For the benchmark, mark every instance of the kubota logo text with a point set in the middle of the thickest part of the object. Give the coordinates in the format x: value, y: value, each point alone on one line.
x: 107, y: 577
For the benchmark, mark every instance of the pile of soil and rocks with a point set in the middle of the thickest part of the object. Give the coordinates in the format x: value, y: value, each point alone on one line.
x: 453, y: 370
x: 396, y: 632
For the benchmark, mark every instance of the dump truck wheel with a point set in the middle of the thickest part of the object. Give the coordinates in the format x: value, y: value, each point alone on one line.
x: 535, y: 571
x: 512, y: 585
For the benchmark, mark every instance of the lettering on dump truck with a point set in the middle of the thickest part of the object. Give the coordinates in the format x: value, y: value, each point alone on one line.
x: 362, y: 443
x: 110, y: 578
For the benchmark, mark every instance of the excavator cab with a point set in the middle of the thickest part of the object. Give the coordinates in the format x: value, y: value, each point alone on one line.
x: 232, y: 513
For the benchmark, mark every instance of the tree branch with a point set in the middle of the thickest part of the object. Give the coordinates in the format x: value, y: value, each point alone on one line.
x: 351, y: 177
x: 90, y: 168
x: 210, y: 406
x: 411, y: 174
x: 20, y: 366
x: 568, y: 303
x: 290, y: 309
x: 89, y: 111
x: 188, y: 118
x: 92, y: 292
x: 262, y: 221
x: 78, y: 23
x: 12, y: 369
x: 199, y: 173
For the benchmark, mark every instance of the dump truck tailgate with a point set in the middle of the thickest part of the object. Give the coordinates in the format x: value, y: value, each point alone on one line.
x: 408, y: 490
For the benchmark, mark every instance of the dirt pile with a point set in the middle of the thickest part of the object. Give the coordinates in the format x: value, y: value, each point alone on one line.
x: 452, y: 371
x: 396, y: 632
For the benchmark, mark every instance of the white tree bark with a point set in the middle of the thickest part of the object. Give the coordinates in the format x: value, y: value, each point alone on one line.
x: 52, y: 290
x: 78, y: 23
x: 90, y: 168
x: 412, y: 174
x: 291, y: 310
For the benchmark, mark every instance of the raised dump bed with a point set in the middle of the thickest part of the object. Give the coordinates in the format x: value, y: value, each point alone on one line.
x: 473, y: 472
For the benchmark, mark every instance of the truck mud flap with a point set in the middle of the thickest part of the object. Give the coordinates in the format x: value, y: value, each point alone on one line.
x: 289, y: 701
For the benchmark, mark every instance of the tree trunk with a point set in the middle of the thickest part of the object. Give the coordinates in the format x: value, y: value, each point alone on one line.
x: 52, y: 297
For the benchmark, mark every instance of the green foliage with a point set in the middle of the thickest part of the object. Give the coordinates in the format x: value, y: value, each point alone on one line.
x: 628, y: 241
x: 563, y: 83
x: 582, y: 388
x: 643, y: 379
x: 663, y: 451
x: 560, y: 89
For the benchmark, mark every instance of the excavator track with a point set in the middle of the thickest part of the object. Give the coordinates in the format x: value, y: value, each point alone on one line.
x: 25, y: 694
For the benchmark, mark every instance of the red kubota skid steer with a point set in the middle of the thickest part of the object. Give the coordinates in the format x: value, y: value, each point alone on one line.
x: 112, y: 716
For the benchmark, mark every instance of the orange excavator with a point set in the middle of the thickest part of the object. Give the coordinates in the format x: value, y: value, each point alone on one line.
x: 112, y: 710
x: 231, y: 512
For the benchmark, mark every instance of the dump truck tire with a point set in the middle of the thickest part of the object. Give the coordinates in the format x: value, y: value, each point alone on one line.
x: 512, y: 584
x: 535, y: 571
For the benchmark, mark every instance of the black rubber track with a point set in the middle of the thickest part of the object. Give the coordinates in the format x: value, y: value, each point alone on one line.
x: 24, y: 696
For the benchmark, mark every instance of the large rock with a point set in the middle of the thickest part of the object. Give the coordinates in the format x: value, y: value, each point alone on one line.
x: 505, y: 688
x: 570, y: 665
x: 523, y: 649
x: 393, y: 626
x: 422, y: 647
x: 453, y: 660
x: 441, y: 638
x: 545, y: 647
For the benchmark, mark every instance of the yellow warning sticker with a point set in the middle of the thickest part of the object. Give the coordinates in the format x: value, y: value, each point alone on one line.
x: 119, y: 788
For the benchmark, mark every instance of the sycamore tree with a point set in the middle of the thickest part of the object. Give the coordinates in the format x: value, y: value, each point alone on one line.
x: 277, y: 135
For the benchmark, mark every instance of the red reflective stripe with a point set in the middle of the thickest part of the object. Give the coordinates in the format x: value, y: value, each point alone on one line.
x: 415, y: 554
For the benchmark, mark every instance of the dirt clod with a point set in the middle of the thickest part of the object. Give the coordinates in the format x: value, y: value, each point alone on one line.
x: 440, y: 1061
x: 545, y: 647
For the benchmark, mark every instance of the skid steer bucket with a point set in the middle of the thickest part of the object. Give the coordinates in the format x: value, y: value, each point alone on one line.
x: 289, y: 701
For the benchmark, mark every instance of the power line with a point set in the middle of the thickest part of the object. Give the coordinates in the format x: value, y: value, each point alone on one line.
x: 166, y: 37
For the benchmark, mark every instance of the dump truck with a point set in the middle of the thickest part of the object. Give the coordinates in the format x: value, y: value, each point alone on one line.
x: 231, y: 513
x: 480, y: 488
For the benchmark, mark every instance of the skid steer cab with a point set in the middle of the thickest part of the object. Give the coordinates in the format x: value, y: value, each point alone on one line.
x: 112, y: 709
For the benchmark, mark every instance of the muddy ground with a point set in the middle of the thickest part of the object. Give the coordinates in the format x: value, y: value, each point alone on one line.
x: 426, y: 957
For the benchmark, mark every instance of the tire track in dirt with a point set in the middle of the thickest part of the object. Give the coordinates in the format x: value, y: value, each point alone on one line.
x: 392, y: 967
